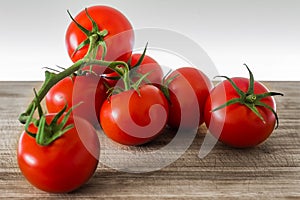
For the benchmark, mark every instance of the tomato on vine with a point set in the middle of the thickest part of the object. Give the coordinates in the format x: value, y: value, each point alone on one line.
x: 134, y: 117
x: 58, y: 153
x: 88, y: 89
x: 187, y: 88
x: 135, y: 114
x: 106, y: 28
x: 241, y: 112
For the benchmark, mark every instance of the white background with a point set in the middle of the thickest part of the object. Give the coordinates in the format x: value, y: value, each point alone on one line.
x: 262, y: 33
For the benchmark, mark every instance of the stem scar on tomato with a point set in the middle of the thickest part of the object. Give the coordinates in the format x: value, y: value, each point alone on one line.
x: 249, y: 98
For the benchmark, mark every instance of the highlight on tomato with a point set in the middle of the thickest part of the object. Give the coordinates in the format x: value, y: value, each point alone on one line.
x: 241, y: 112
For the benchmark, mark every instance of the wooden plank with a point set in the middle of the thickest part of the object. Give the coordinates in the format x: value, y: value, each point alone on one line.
x: 269, y: 171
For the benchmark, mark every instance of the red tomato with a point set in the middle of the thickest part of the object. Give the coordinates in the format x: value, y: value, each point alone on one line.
x: 65, y: 164
x: 119, y: 40
x: 148, y: 65
x: 133, y: 118
x: 188, y: 93
x: 236, y: 125
x: 89, y: 90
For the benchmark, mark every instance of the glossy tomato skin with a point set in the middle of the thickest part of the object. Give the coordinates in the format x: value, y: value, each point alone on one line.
x: 130, y: 118
x: 88, y: 90
x: 60, y: 94
x: 119, y: 40
x: 188, y: 93
x: 65, y: 164
x: 148, y: 65
x: 236, y: 125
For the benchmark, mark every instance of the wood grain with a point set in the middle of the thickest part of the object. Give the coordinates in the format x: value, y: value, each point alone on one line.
x: 269, y: 171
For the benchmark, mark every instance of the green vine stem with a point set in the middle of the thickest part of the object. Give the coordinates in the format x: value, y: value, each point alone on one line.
x: 52, y: 78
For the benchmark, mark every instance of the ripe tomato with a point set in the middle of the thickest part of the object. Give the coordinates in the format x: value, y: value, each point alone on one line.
x: 134, y: 118
x: 65, y: 164
x: 236, y: 125
x: 119, y: 40
x: 147, y: 65
x: 89, y: 90
x: 188, y: 92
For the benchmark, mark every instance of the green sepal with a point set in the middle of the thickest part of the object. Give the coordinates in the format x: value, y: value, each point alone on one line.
x: 133, y: 69
x: 139, y: 62
x: 267, y: 94
x: 259, y: 103
x: 134, y: 74
x: 49, y: 133
x: 237, y: 89
x: 251, y: 81
x: 80, y: 46
x: 253, y: 108
x: 95, y: 26
x: 58, y: 115
x: 166, y: 83
x: 39, y: 107
x: 84, y: 30
x: 137, y: 84
x: 41, y: 137
x: 30, y: 119
x: 164, y: 87
x: 228, y: 103
x: 28, y: 122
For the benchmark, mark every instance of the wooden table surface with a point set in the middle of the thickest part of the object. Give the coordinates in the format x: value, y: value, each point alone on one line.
x: 269, y: 171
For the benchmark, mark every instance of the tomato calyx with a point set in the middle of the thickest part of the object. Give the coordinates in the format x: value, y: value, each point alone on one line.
x: 249, y: 99
x: 128, y: 84
x: 127, y: 73
x: 95, y: 38
x: 47, y: 133
x: 134, y: 68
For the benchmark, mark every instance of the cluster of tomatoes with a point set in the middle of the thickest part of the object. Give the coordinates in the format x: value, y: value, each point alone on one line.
x: 129, y: 96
